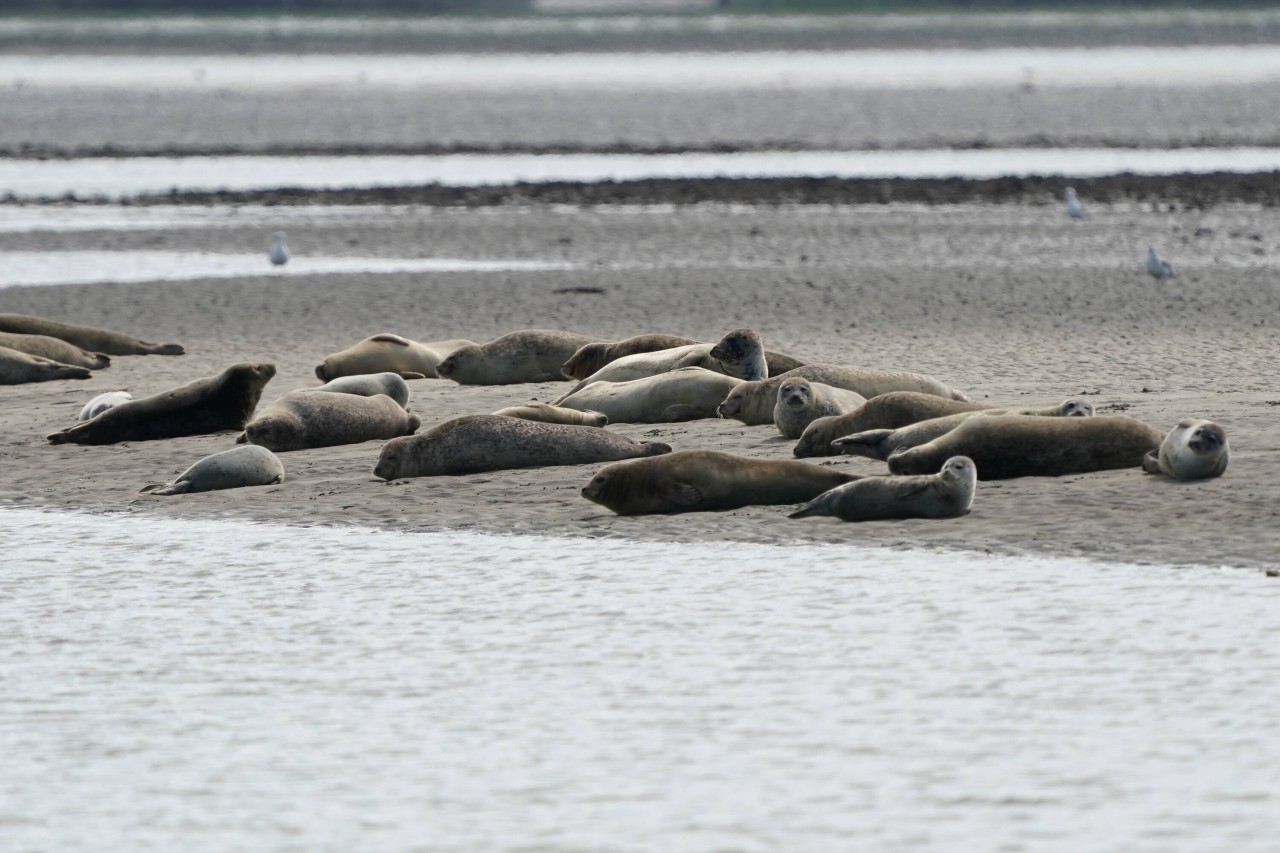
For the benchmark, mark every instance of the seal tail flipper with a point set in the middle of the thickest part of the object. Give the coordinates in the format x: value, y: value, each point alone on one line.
x: 655, y: 448
x: 100, y: 360
x: 242, y: 438
x: 869, y: 443
x: 960, y: 396
x: 168, y: 349
x: 1151, y: 462
x: 408, y: 374
x: 60, y: 437
x: 165, y: 489
x: 812, y: 508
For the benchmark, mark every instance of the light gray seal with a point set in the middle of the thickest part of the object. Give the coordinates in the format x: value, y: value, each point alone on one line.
x: 1004, y: 446
x: 300, y: 419
x: 801, y: 402
x: 1193, y: 450
x: 703, y: 480
x: 680, y: 395
x: 592, y: 357
x: 947, y: 494
x: 478, y: 443
x: 369, y: 385
x: 386, y: 352
x: 530, y: 355
x: 213, y: 404
x: 86, y: 337
x: 54, y: 349
x: 886, y: 411
x: 19, y: 368
x: 549, y: 414
x: 247, y: 465
x: 102, y: 402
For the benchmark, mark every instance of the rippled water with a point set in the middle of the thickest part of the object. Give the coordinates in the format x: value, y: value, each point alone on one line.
x: 329, y: 689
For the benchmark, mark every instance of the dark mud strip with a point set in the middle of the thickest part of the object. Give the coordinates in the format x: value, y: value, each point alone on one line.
x: 1186, y: 190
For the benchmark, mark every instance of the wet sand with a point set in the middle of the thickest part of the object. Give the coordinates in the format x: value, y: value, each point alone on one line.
x: 1013, y: 303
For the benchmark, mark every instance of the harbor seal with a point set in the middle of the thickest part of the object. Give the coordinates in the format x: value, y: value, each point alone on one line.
x: 86, y: 337
x: 1004, y: 446
x: 54, y: 349
x: 679, y: 395
x: 801, y: 402
x: 549, y: 414
x: 1193, y: 450
x: 386, y: 352
x: 886, y: 411
x: 879, y: 443
x: 701, y: 480
x: 101, y: 403
x: 19, y: 368
x: 592, y: 357
x: 247, y: 465
x: 478, y: 443
x: 369, y: 385
x: 530, y: 355
x: 947, y: 494
x: 299, y: 420
x: 212, y: 404
x: 752, y: 402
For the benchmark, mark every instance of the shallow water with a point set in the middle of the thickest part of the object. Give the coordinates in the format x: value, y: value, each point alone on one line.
x: 330, y: 689
x: 95, y: 177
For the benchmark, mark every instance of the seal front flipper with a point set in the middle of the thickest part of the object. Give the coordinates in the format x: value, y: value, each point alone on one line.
x: 867, y: 443
x: 1151, y: 462
x: 390, y: 338
x: 681, y: 412
x: 681, y: 494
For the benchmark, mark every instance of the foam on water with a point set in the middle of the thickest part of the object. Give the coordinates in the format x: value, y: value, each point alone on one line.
x: 208, y: 685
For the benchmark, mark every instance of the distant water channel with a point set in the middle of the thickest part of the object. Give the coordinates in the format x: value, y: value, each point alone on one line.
x: 211, y: 685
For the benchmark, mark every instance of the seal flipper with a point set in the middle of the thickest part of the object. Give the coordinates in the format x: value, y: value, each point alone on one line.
x: 817, y: 506
x: 387, y: 337
x: 1151, y: 462
x: 655, y: 448
x: 242, y: 438
x: 681, y: 412
x: 868, y: 443
x: 181, y: 487
x: 681, y: 494
x: 408, y: 374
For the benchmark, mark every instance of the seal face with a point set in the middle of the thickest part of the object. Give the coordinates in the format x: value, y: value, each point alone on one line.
x: 685, y: 394
x: 801, y: 402
x: 301, y: 419
x: 947, y: 494
x: 477, y: 443
x: 86, y: 337
x: 246, y: 465
x: 18, y: 368
x: 530, y: 355
x: 702, y: 480
x: 1193, y: 450
x: 741, y: 353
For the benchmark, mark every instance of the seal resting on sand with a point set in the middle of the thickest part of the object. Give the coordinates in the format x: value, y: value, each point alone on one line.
x: 1004, y: 446
x: 19, y: 368
x: 213, y: 404
x: 886, y: 411
x: 590, y: 358
x: 369, y: 385
x: 101, y: 403
x: 388, y: 353
x: 85, y: 337
x: 549, y: 414
x: 248, y: 465
x: 686, y: 394
x: 947, y: 494
x: 478, y: 443
x: 801, y: 402
x: 301, y: 419
x: 54, y: 349
x: 1193, y: 450
x: 698, y: 480
x: 530, y: 355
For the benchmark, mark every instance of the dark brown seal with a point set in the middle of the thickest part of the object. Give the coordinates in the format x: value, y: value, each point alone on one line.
x: 86, y: 337
x: 531, y: 355
x: 887, y: 411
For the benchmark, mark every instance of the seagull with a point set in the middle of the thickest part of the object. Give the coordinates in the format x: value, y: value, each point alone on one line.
x: 1158, y: 266
x: 1074, y: 210
x: 279, y: 253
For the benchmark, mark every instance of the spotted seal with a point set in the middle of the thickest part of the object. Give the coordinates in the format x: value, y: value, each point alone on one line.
x: 1193, y: 450
x: 947, y: 494
x: 247, y: 465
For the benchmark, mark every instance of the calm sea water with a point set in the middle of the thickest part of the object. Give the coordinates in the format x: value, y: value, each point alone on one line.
x: 208, y: 685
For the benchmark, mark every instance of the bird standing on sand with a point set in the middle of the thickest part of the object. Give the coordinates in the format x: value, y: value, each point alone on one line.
x: 1158, y: 266
x: 279, y: 253
x: 1074, y: 210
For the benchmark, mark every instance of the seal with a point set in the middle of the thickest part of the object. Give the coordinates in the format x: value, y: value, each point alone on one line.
x: 879, y: 443
x: 369, y: 385
x: 1004, y: 446
x: 530, y: 355
x: 700, y: 480
x: 592, y: 357
x: 213, y: 404
x: 300, y: 419
x: 947, y: 494
x: 478, y: 443
x: 753, y: 402
x: 248, y: 465
x: 887, y: 411
x: 85, y: 337
x: 54, y: 349
x: 101, y: 403
x: 388, y: 353
x: 801, y: 402
x: 679, y: 395
x: 19, y: 368
x: 548, y: 414
x: 1193, y: 450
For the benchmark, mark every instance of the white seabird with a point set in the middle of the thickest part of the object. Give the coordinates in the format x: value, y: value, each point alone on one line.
x: 1158, y: 266
x: 1074, y: 210
x: 279, y: 253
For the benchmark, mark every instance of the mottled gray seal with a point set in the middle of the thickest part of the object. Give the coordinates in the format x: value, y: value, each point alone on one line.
x: 1193, y: 450
x: 101, y: 403
x: 299, y: 420
x: 1004, y: 446
x: 698, y: 480
x: 530, y: 355
x: 247, y: 465
x: 947, y: 494
x: 54, y: 349
x: 886, y: 411
x: 753, y: 402
x: 679, y: 395
x: 388, y: 353
x: 477, y: 443
x: 592, y: 357
x: 18, y: 368
x: 213, y: 404
x: 369, y: 385
x: 801, y: 402
x: 549, y: 414
x: 85, y: 337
